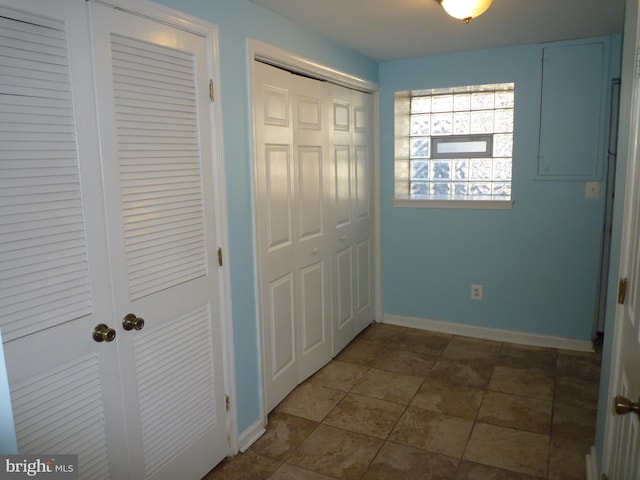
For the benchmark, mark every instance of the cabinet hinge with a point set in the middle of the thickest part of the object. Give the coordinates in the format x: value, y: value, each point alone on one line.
x: 227, y: 403
x: 212, y: 94
x: 219, y: 256
x: 622, y: 291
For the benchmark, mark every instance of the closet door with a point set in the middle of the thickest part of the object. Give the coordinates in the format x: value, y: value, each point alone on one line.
x: 54, y: 269
x: 152, y: 87
x: 312, y: 187
x: 350, y: 116
x: 362, y: 205
x: 293, y: 245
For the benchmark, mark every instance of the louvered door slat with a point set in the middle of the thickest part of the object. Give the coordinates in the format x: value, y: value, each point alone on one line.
x: 158, y: 191
x: 176, y: 389
x: 34, y: 67
x: 53, y: 413
x: 154, y: 77
x: 151, y: 108
x: 130, y: 113
x: 44, y: 276
x: 171, y: 60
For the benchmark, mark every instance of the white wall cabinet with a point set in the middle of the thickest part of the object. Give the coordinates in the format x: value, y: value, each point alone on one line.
x: 314, y: 226
x: 105, y: 213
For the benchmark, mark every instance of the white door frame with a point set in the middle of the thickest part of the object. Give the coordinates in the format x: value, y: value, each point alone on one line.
x: 209, y: 32
x: 278, y: 57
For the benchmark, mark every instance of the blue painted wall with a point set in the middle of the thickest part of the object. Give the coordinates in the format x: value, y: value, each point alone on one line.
x: 238, y: 20
x: 538, y: 262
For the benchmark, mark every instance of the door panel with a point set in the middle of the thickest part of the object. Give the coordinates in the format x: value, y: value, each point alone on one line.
x: 312, y: 285
x: 627, y: 455
x: 312, y: 248
x: 344, y: 287
x: 363, y: 206
x: 61, y: 410
x: 351, y: 144
x: 310, y: 181
x: 53, y: 262
x: 274, y: 172
x: 45, y: 264
x: 363, y: 275
x: 292, y: 224
x: 282, y: 321
x: 342, y: 159
x: 621, y: 456
x: 277, y: 162
x: 173, y: 367
x: 157, y: 164
x: 363, y: 185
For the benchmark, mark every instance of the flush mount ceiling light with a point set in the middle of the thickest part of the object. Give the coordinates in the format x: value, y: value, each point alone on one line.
x: 465, y: 9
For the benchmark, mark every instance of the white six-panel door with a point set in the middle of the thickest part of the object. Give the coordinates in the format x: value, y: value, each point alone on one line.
x: 294, y: 249
x: 351, y: 134
x: 313, y: 216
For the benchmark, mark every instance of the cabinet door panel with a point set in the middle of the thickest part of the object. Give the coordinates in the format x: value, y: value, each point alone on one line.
x: 571, y: 115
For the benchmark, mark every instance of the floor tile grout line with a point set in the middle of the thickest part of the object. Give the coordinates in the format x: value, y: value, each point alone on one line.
x: 424, y: 376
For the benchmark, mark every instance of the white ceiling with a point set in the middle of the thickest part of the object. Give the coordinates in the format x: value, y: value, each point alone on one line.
x: 394, y: 29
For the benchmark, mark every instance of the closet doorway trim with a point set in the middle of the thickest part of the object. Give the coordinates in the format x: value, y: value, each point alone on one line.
x: 277, y: 57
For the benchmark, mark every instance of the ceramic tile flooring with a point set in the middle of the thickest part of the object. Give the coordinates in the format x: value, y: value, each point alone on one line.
x: 407, y: 404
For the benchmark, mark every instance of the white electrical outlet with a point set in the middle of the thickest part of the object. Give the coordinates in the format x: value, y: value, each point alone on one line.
x: 476, y: 292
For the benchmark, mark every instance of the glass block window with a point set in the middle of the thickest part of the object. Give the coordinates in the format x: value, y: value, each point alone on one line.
x: 459, y: 142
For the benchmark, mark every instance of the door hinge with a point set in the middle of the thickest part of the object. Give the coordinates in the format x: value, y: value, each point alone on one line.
x: 219, y: 256
x: 212, y: 95
x: 622, y: 291
x: 227, y: 402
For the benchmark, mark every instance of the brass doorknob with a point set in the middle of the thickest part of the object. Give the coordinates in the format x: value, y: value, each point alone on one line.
x: 102, y: 333
x: 132, y: 322
x: 623, y: 405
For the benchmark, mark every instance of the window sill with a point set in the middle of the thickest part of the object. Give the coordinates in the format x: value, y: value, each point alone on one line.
x: 482, y: 204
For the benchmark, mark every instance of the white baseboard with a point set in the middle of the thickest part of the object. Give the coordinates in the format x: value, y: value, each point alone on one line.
x: 489, y: 333
x: 250, y: 435
x: 592, y: 465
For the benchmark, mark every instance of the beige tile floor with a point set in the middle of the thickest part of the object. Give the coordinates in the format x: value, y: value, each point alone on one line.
x: 407, y: 404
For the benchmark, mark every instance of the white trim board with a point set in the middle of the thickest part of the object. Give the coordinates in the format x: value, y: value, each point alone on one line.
x: 591, y: 464
x: 279, y: 57
x: 251, y: 435
x: 508, y: 336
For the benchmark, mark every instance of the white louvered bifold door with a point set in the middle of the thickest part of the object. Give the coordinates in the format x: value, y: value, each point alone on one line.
x: 54, y: 272
x: 154, y: 122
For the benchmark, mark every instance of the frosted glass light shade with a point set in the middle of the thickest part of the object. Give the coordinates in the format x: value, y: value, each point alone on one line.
x: 465, y: 9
